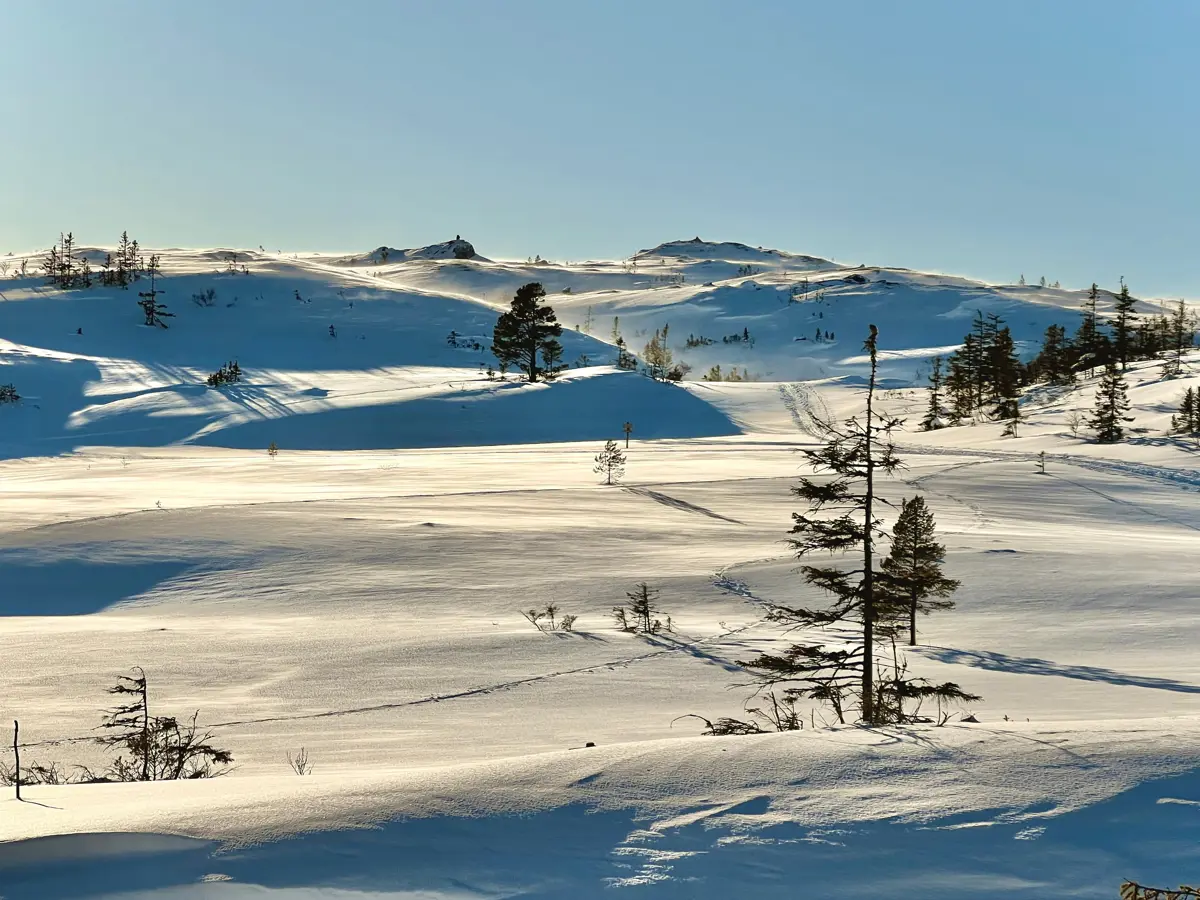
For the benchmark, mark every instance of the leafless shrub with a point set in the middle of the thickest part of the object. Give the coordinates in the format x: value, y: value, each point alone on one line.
x: 300, y: 763
x: 547, y: 619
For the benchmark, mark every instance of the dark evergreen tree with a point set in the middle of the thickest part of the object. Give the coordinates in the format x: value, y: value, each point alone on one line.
x: 1004, y: 373
x: 960, y: 377
x: 1180, y: 337
x: 1187, y: 420
x: 1124, y: 327
x: 642, y: 613
x: 1091, y: 344
x: 610, y: 462
x: 935, y: 413
x: 911, y: 577
x: 625, y: 360
x: 526, y: 332
x: 1053, y: 364
x: 160, y: 748
x: 155, y: 312
x: 1111, y: 406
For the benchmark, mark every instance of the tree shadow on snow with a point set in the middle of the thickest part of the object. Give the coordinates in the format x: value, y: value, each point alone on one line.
x: 1023, y: 665
x: 39, y: 584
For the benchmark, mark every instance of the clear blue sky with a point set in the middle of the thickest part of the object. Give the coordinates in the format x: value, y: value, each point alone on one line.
x: 989, y: 139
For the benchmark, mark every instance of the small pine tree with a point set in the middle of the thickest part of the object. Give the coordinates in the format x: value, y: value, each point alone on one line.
x: 1112, y: 404
x: 912, y: 579
x: 934, y: 414
x: 272, y: 450
x: 610, y: 462
x: 643, y: 610
x: 625, y: 360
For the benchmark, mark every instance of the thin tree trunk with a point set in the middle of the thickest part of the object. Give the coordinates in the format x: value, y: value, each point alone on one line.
x: 145, y: 727
x: 868, y: 662
x: 912, y: 623
x: 17, y: 756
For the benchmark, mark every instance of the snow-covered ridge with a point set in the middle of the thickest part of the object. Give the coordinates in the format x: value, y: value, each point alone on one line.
x: 364, y: 341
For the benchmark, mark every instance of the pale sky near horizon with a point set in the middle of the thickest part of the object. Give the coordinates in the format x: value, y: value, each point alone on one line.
x: 1046, y: 138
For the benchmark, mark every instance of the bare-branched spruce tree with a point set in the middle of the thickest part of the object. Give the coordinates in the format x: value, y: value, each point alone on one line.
x: 159, y: 748
x: 842, y: 520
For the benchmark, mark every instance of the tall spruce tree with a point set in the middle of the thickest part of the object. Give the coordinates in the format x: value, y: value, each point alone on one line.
x: 855, y: 454
x: 1124, y: 327
x: 1091, y: 344
x: 841, y: 519
x: 528, y: 330
x: 1111, y: 406
x: 911, y: 576
x: 1004, y: 374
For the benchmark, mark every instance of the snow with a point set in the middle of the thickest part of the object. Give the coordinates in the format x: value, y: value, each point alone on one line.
x: 359, y: 595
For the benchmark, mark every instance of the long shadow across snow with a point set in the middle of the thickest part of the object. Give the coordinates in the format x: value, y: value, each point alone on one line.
x: 1026, y: 665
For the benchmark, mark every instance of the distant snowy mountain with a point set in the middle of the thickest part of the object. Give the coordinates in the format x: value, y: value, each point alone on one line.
x: 730, y: 251
x: 455, y: 249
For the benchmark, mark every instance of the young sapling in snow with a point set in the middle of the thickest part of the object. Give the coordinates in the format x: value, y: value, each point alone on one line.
x: 641, y: 616
x: 610, y: 462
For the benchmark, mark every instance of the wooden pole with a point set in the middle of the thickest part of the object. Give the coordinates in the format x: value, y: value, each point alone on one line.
x: 17, y: 756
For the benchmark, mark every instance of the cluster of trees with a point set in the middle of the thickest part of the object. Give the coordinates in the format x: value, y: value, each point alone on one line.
x: 126, y: 267
x: 1121, y: 339
x: 984, y: 374
x: 715, y: 374
x: 458, y: 342
x: 230, y: 373
x: 8, y: 394
x: 1187, y: 420
x: 61, y: 266
x: 660, y: 361
x: 875, y: 604
x: 65, y: 269
x: 736, y: 338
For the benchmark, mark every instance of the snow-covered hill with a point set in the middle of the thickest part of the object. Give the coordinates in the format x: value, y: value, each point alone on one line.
x: 356, y: 351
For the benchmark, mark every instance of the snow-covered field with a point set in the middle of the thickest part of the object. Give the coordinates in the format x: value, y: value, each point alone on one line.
x: 359, y: 595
